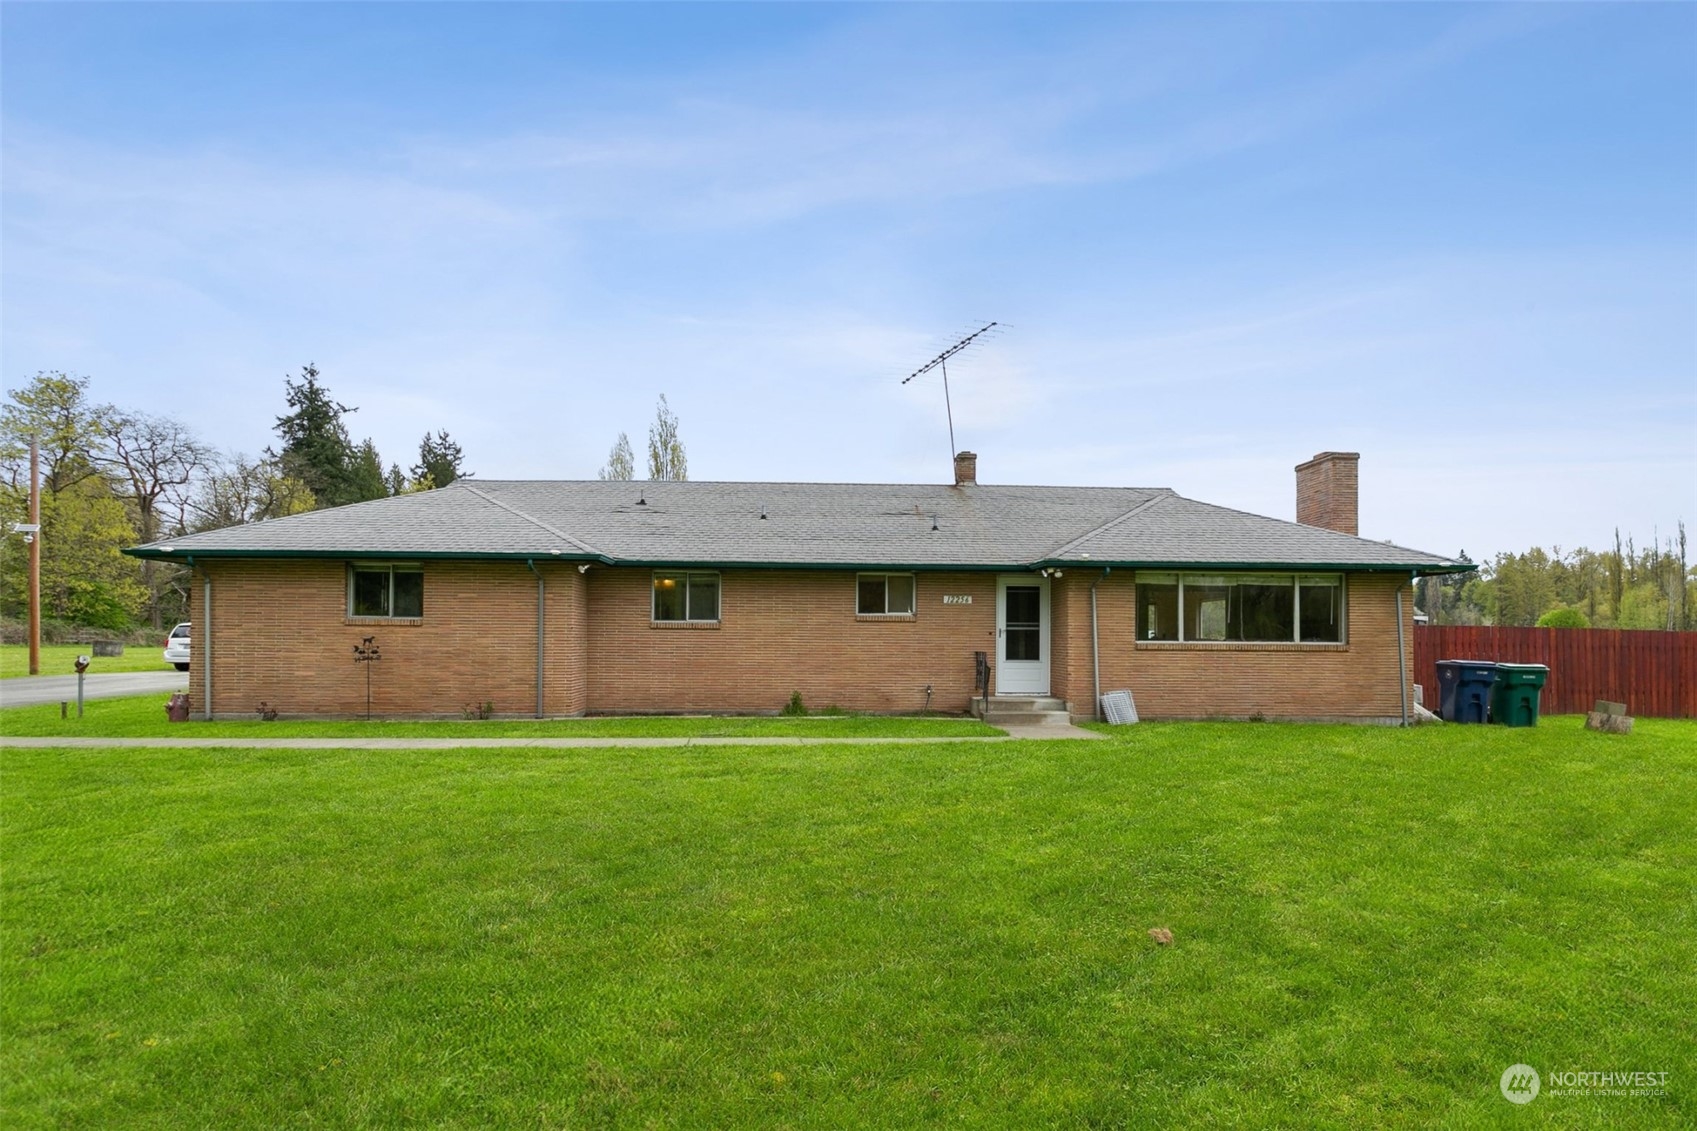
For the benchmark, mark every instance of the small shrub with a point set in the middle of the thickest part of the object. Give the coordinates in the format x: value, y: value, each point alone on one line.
x: 795, y: 707
x: 1563, y: 616
x: 480, y: 712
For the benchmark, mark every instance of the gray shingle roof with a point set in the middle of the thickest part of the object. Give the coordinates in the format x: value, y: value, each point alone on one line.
x: 804, y: 524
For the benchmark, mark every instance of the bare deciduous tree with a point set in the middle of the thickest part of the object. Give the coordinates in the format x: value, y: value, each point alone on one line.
x: 156, y: 457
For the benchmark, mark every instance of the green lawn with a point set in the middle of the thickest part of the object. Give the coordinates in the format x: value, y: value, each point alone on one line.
x: 1370, y: 924
x: 60, y: 659
x: 143, y: 716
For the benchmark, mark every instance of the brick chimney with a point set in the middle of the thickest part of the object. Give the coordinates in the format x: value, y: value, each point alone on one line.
x: 966, y: 469
x: 1326, y: 493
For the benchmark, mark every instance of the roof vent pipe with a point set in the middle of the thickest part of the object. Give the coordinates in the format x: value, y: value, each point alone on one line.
x: 966, y: 469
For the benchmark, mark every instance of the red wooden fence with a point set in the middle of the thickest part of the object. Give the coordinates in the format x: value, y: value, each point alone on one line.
x: 1653, y: 673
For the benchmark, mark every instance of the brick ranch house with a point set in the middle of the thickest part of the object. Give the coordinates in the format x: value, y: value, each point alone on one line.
x: 571, y: 598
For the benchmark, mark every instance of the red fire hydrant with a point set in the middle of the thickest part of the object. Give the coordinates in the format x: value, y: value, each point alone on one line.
x: 177, y: 708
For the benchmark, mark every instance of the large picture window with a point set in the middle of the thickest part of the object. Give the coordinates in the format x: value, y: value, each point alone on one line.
x: 1295, y: 608
x: 686, y: 596
x: 386, y: 591
x: 883, y: 594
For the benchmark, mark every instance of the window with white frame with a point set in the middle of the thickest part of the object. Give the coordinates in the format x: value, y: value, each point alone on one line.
x: 686, y: 595
x: 884, y: 594
x: 1294, y: 608
x: 389, y: 589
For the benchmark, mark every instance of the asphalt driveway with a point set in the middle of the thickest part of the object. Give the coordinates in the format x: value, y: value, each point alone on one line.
x: 27, y: 691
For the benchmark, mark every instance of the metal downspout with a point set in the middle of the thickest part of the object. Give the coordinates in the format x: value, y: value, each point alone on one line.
x: 541, y: 625
x: 204, y: 648
x: 1402, y: 653
x: 1095, y: 648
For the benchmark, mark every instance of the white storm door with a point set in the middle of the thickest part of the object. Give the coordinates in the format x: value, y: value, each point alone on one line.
x: 1022, y: 634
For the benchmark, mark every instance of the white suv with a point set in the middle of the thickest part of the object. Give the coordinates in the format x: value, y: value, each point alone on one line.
x: 177, y: 647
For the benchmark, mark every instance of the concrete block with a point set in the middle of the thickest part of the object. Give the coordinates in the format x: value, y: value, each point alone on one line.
x: 1608, y: 724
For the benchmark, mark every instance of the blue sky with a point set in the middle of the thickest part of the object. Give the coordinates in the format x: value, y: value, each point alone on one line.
x: 1461, y: 240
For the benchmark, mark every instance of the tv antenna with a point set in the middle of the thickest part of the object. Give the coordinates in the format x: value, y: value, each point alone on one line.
x: 941, y: 361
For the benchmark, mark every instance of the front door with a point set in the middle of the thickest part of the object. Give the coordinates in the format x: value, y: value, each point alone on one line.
x: 1022, y: 635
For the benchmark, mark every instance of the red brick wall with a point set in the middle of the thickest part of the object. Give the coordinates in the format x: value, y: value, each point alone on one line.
x: 1356, y: 680
x: 280, y: 634
x: 782, y: 631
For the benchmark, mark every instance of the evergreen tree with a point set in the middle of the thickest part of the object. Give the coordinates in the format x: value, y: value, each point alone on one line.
x: 315, y: 445
x: 440, y: 461
x: 365, y: 473
x: 317, y: 449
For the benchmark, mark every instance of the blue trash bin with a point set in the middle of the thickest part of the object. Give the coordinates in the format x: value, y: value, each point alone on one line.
x: 1464, y: 690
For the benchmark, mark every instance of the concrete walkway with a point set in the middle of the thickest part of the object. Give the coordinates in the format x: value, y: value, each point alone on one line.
x: 32, y: 690
x: 187, y: 742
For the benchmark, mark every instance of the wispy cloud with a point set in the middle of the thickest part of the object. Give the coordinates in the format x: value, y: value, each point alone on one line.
x: 760, y: 240
x: 1098, y: 110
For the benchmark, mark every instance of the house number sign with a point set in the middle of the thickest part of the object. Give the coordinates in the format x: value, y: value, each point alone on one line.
x: 957, y: 598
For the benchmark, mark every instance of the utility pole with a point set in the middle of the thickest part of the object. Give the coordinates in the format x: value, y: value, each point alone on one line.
x: 34, y: 558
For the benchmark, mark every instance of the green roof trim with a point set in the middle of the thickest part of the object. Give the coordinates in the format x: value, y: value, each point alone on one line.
x: 157, y: 554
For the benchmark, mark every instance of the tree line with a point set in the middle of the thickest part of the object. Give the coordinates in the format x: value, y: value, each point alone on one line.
x: 113, y: 477
x: 1628, y: 586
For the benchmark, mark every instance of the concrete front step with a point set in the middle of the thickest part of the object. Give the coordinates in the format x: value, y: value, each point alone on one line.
x: 999, y: 703
x: 1023, y: 710
x: 1028, y: 719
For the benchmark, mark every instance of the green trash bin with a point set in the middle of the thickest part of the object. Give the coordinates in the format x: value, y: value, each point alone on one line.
x: 1514, y: 694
